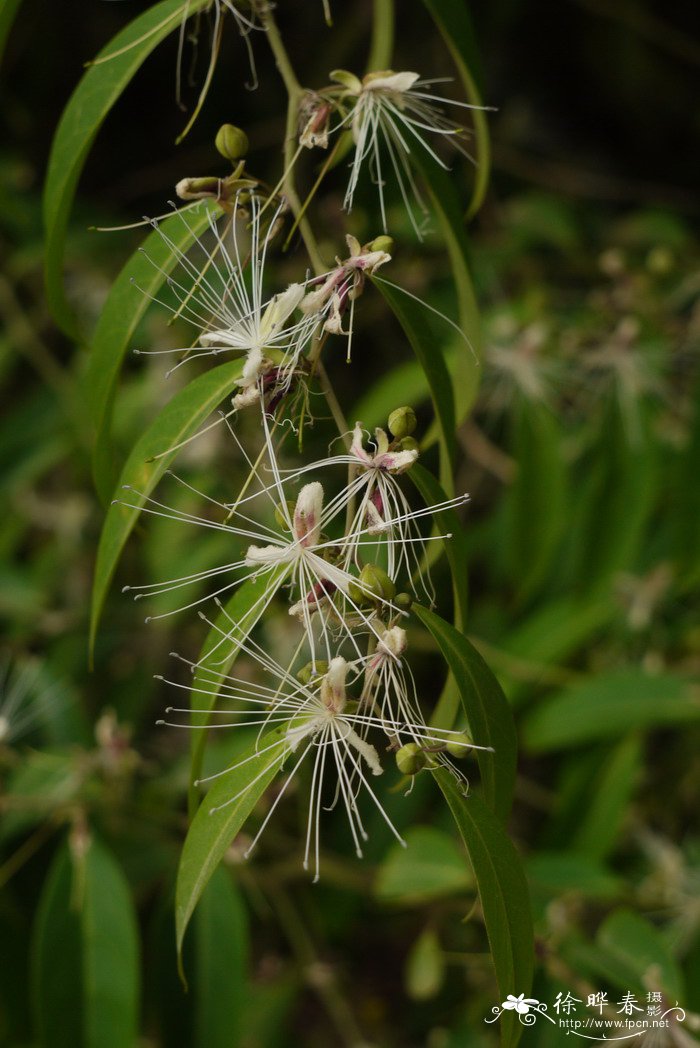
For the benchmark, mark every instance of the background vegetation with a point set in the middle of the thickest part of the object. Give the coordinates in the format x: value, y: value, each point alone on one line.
x: 581, y: 455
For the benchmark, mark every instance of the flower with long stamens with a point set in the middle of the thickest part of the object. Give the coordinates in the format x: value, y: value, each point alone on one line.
x: 320, y: 719
x: 26, y: 697
x: 390, y: 114
x: 222, y: 293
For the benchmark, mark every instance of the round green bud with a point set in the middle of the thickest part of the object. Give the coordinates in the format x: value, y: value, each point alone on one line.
x: 402, y: 422
x: 403, y: 601
x: 408, y: 444
x: 459, y: 745
x: 410, y: 759
x: 309, y: 673
x: 377, y: 582
x: 231, y: 142
x: 382, y: 243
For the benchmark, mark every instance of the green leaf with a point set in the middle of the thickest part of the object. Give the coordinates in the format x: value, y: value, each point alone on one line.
x: 447, y: 522
x: 177, y: 421
x: 454, y: 22
x: 425, y: 967
x: 128, y: 300
x: 211, y: 833
x: 537, y: 500
x: 607, y: 799
x: 244, y: 609
x: 429, y: 867
x: 85, y: 954
x: 487, y: 711
x: 413, y: 318
x: 56, y: 961
x: 556, y: 874
x: 465, y: 369
x: 640, y: 954
x: 8, y: 13
x: 505, y: 902
x: 610, y: 705
x: 221, y: 963
x: 110, y: 954
x: 97, y: 92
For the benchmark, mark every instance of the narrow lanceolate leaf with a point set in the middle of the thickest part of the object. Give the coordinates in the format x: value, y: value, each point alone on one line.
x: 128, y: 299
x: 240, y: 615
x: 85, y: 955
x: 610, y: 705
x: 220, y: 963
x: 211, y: 832
x: 503, y: 892
x: 487, y: 711
x: 97, y: 92
x: 446, y: 204
x: 178, y: 421
x: 414, y: 319
x: 110, y: 954
x: 454, y: 22
x: 447, y: 523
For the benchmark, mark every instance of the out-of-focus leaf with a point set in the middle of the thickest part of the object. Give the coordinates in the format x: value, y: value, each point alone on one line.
x: 97, y: 92
x: 110, y: 950
x: 413, y: 318
x: 598, y: 825
x: 610, y: 705
x: 556, y: 874
x: 685, y: 494
x: 425, y: 967
x: 128, y: 300
x: 211, y: 833
x: 85, y: 955
x: 505, y: 901
x: 537, y: 500
x: 221, y: 963
x: 244, y: 609
x: 641, y: 954
x: 404, y: 384
x: 454, y: 22
x: 36, y: 788
x: 177, y: 421
x: 56, y: 961
x: 8, y: 13
x: 487, y: 711
x: 430, y: 866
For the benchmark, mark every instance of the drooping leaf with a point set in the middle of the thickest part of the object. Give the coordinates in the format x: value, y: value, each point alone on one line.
x: 220, y: 963
x: 128, y: 299
x: 487, y: 711
x: 454, y: 22
x: 413, y: 318
x: 211, y: 833
x: 85, y: 954
x: 110, y: 951
x: 430, y: 867
x: 178, y: 420
x: 102, y: 84
x: 503, y: 893
x: 610, y: 705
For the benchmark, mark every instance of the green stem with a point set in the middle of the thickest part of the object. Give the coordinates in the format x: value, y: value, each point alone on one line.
x: 382, y: 46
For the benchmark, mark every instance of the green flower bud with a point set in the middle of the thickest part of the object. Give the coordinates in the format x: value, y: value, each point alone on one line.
x: 382, y: 243
x: 377, y: 582
x: 402, y: 422
x: 459, y: 745
x: 231, y: 142
x: 307, y: 673
x: 403, y: 601
x: 410, y: 759
x: 408, y: 444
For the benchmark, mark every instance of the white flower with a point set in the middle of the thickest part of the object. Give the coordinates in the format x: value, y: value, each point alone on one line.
x: 25, y: 697
x: 320, y: 719
x: 222, y: 293
x: 389, y: 114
